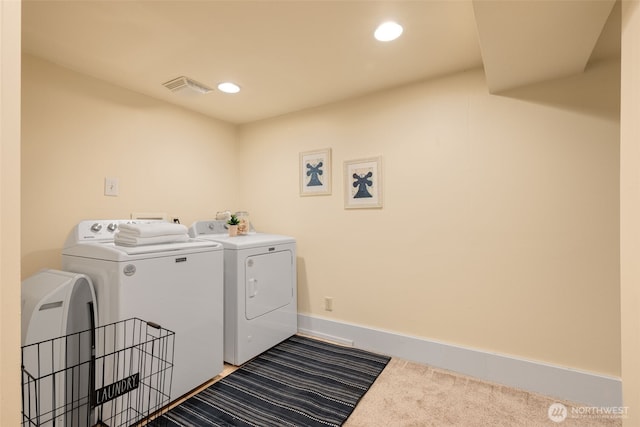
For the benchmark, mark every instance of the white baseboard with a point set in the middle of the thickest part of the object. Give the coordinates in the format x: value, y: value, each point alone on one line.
x: 555, y: 381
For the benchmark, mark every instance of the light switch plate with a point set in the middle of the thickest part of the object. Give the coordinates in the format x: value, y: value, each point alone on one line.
x: 111, y: 186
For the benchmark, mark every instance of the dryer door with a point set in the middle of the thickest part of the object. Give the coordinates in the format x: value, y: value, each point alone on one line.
x: 269, y: 282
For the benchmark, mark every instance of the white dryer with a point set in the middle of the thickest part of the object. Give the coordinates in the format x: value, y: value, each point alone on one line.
x: 260, y: 299
x: 176, y: 285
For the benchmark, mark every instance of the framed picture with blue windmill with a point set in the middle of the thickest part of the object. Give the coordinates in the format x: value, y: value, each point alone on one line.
x: 315, y: 172
x: 363, y: 183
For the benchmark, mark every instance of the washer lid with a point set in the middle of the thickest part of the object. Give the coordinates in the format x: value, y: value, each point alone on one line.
x: 112, y: 252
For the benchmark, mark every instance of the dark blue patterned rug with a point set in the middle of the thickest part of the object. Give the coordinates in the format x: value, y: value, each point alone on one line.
x: 299, y: 382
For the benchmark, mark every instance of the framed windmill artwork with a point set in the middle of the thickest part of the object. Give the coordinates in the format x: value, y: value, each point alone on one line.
x: 363, y: 183
x: 315, y: 172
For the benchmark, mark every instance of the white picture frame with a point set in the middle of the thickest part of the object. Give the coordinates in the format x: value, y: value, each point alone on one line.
x: 315, y: 172
x: 363, y: 183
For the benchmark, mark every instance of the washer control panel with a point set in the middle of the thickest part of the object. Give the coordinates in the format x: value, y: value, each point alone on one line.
x: 102, y: 230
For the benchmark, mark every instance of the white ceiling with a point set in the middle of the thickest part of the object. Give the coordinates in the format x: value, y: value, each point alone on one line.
x: 293, y: 55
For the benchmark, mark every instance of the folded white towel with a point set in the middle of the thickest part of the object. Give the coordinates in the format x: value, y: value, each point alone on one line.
x: 152, y: 229
x: 124, y: 239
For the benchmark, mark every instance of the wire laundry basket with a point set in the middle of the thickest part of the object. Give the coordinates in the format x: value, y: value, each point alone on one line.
x: 113, y: 375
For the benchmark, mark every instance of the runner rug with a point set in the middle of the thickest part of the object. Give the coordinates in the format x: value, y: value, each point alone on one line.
x: 299, y: 382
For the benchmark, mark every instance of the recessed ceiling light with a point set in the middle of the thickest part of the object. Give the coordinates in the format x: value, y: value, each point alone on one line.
x: 228, y: 87
x: 388, y: 31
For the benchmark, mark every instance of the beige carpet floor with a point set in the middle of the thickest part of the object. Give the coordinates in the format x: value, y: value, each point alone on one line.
x: 408, y: 394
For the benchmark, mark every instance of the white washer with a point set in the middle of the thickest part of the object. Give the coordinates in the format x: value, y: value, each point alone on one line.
x: 176, y: 285
x: 260, y: 299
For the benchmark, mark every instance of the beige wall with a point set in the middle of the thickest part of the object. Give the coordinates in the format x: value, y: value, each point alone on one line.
x: 630, y: 209
x: 77, y: 130
x: 500, y: 222
x: 9, y: 213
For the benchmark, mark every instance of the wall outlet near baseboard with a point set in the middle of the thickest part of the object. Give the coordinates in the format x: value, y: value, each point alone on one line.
x: 328, y: 303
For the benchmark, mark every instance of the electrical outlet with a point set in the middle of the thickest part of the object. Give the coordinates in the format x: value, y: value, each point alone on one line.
x: 328, y: 303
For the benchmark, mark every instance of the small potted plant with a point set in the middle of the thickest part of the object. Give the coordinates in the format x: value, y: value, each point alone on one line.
x: 233, y: 225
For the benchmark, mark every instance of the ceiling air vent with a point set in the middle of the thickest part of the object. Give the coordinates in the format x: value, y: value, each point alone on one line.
x: 186, y: 84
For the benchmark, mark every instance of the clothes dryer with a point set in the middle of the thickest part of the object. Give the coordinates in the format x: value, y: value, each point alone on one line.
x: 176, y: 285
x: 260, y: 298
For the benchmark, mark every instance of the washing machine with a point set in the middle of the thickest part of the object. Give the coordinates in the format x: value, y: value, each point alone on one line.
x: 176, y: 285
x: 260, y: 289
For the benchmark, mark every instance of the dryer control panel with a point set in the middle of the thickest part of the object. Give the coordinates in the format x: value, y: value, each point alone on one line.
x: 216, y: 226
